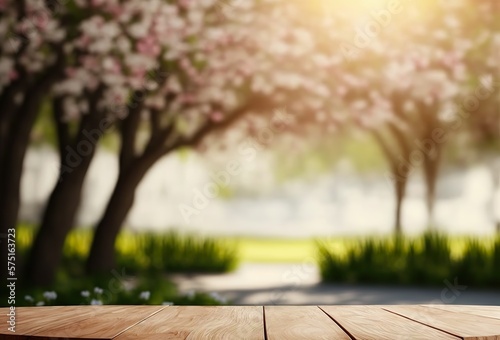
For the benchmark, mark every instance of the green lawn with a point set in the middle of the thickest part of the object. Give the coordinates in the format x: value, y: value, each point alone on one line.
x: 269, y: 250
x: 249, y: 249
x: 274, y: 250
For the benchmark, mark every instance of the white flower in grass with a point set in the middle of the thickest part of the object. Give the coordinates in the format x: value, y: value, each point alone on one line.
x: 96, y: 302
x: 29, y: 298
x: 214, y: 295
x: 144, y: 295
x: 218, y: 298
x: 85, y: 293
x: 50, y: 295
x: 98, y: 290
x: 40, y: 303
x: 167, y: 303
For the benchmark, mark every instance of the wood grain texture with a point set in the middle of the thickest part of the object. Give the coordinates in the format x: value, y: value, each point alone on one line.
x: 31, y: 319
x: 487, y: 311
x: 307, y: 322
x: 79, y: 322
x: 374, y: 323
x: 232, y: 323
x: 224, y: 322
x: 466, y: 326
x: 107, y: 322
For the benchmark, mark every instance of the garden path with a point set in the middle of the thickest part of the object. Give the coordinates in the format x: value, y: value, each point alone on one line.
x: 299, y: 284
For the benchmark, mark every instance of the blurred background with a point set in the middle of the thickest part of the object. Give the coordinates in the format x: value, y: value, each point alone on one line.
x: 281, y: 193
x: 250, y: 151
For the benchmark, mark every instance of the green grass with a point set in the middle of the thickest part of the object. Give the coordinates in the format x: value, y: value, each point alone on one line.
x: 241, y: 249
x: 427, y: 260
x: 273, y: 250
x: 146, y: 253
x: 143, y: 260
x: 173, y: 252
x: 112, y: 290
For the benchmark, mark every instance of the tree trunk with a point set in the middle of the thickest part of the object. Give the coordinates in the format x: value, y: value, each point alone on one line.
x: 494, y: 167
x: 432, y: 162
x: 15, y: 148
x: 400, y: 190
x: 46, y: 252
x: 16, y: 124
x: 399, y: 171
x: 60, y: 212
x: 102, y: 253
x: 133, y: 168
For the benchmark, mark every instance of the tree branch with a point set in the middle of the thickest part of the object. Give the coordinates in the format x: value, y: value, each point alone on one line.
x: 384, y: 145
x: 256, y: 105
x: 62, y: 127
x: 128, y: 132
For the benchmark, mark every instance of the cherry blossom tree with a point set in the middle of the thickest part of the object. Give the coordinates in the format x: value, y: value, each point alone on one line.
x: 170, y: 74
x: 176, y: 71
x: 122, y: 51
x: 483, y: 124
x: 31, y: 61
x: 408, y: 84
x: 246, y: 73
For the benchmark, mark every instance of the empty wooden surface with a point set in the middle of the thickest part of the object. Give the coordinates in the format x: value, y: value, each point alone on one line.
x: 488, y: 311
x: 273, y: 322
x: 201, y: 323
x: 308, y: 322
x: 466, y: 326
x: 373, y: 322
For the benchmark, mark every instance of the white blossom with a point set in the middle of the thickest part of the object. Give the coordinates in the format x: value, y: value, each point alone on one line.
x: 50, y: 295
x: 96, y: 302
x: 145, y: 295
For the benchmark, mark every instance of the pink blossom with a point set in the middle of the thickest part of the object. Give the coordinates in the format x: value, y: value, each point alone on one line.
x: 89, y: 62
x: 116, y: 10
x: 148, y: 46
x: 216, y: 116
x: 13, y: 75
x: 96, y: 3
x: 70, y: 72
x: 185, y: 3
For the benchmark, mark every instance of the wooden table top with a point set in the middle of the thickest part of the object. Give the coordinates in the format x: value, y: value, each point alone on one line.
x: 273, y: 322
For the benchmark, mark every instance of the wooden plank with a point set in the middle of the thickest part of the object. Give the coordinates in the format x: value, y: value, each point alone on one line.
x: 374, y: 323
x: 31, y: 319
x: 466, y: 326
x: 487, y: 311
x: 106, y: 323
x: 307, y: 322
x: 82, y: 322
x: 221, y: 322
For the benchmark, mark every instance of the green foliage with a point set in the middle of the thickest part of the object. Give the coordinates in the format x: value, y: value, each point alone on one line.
x: 113, y: 289
x: 172, y: 252
x: 44, y: 130
x: 143, y: 259
x: 476, y: 264
x: 321, y: 155
x: 428, y: 260
x: 149, y: 253
x: 183, y: 154
x: 365, y: 155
